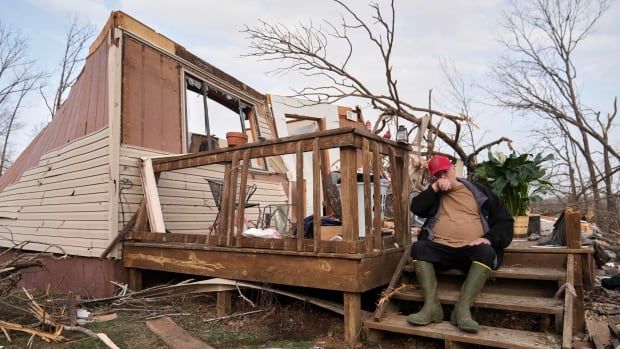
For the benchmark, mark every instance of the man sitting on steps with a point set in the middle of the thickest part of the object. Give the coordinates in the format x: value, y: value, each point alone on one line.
x: 467, y: 227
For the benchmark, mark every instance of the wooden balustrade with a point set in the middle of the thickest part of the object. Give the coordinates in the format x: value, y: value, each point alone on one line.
x: 349, y: 141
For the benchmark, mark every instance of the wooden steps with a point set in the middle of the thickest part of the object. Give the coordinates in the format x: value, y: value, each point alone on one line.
x: 511, y: 302
x: 488, y: 336
x: 514, y: 272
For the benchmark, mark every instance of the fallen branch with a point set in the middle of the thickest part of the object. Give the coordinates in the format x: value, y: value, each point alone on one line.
x: 235, y: 315
x: 386, y: 297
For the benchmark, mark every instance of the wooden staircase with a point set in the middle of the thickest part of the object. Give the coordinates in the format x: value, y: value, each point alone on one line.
x: 527, y: 282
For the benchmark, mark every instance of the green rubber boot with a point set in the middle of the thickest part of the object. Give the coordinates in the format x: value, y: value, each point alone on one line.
x: 461, y: 315
x: 431, y: 311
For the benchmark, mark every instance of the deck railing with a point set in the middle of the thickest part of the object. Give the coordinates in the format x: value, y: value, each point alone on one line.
x: 375, y: 151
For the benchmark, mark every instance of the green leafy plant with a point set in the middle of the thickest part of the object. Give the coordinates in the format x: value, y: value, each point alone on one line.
x: 517, y: 179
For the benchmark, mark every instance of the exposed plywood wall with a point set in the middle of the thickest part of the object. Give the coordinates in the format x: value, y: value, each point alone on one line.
x: 151, y: 99
x: 63, y: 200
x: 186, y: 198
x: 84, y: 112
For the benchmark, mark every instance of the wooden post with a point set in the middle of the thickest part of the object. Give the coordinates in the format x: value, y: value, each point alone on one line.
x: 569, y: 299
x: 135, y: 279
x: 348, y: 193
x: 231, y: 198
x: 396, y: 192
x: 533, y: 226
x: 573, y: 228
x: 316, y: 193
x: 72, y: 310
x: 224, y: 303
x: 402, y: 166
x: 377, y: 222
x: 352, y: 316
x: 300, y: 201
x: 367, y: 208
x: 242, y: 191
x: 223, y: 209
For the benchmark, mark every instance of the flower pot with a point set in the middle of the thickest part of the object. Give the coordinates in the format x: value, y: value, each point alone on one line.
x: 236, y: 138
x: 520, y: 226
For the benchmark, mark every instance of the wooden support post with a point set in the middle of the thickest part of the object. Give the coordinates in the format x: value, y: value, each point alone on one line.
x: 231, y: 198
x: 402, y: 166
x: 377, y: 221
x: 579, y: 319
x: 325, y: 170
x: 352, y: 317
x: 242, y: 190
x: 316, y: 193
x: 572, y: 220
x: 396, y: 192
x: 149, y: 186
x: 348, y: 193
x: 567, y: 331
x: 222, y: 227
x: 367, y: 204
x: 224, y: 303
x: 72, y: 309
x: 300, y: 201
x: 135, y: 279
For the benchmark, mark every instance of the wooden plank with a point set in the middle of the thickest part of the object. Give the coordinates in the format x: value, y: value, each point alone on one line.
x: 489, y: 300
x: 135, y: 279
x: 395, y: 277
x: 174, y: 336
x: 569, y: 299
x: 348, y: 193
x: 242, y: 191
x: 316, y: 193
x: 487, y: 336
x: 128, y: 226
x: 367, y: 204
x: 598, y: 331
x: 377, y: 224
x: 153, y: 207
x: 579, y: 311
x: 299, y: 187
x: 224, y: 207
x: 403, y: 194
x: 131, y: 132
x: 515, y: 272
x: 352, y: 317
x: 396, y: 184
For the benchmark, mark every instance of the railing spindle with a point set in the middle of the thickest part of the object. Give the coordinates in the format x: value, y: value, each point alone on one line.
x: 367, y: 203
x: 242, y: 191
x: 396, y: 194
x: 377, y: 224
x: 231, y: 198
x: 300, y: 197
x: 316, y: 191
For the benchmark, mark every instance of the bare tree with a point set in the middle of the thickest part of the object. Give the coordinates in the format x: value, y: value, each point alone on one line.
x: 17, y: 78
x: 311, y: 50
x: 77, y: 37
x: 539, y: 76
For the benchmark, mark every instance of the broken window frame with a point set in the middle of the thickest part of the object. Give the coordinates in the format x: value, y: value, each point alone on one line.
x: 246, y: 112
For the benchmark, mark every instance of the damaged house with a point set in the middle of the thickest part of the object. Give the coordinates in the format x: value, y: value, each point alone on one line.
x: 160, y: 162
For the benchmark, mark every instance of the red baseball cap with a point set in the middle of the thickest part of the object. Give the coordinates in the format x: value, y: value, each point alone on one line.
x: 438, y: 163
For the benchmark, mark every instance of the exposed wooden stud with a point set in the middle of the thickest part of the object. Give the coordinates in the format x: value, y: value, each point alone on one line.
x: 153, y: 206
x: 367, y: 202
x: 224, y: 303
x: 377, y: 221
x: 231, y: 198
x: 242, y: 192
x: 300, y: 201
x: 352, y: 317
x: 316, y: 191
x: 348, y: 193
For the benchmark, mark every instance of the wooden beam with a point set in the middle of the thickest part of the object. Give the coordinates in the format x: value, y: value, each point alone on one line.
x: 396, y: 192
x: 325, y: 170
x: 395, y: 277
x: 153, y: 206
x: 348, y: 193
x: 174, y: 336
x: 242, y: 192
x: 126, y: 228
x: 316, y: 193
x: 352, y: 317
x: 299, y: 186
x: 377, y: 221
x: 367, y: 204
x: 230, y: 198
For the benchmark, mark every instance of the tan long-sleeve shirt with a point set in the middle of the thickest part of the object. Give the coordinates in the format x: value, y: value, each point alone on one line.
x: 459, y: 220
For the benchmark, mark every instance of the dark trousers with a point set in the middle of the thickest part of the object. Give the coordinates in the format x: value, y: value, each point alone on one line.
x: 446, y: 257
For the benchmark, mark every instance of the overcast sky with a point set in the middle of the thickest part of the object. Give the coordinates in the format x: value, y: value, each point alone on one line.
x: 463, y: 33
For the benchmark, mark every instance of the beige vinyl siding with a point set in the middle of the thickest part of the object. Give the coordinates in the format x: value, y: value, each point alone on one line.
x: 186, y: 199
x: 62, y: 201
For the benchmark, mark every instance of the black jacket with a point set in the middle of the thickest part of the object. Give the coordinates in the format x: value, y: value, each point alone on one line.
x: 497, y: 223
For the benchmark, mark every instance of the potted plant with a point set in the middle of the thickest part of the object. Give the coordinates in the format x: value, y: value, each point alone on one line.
x: 516, y: 179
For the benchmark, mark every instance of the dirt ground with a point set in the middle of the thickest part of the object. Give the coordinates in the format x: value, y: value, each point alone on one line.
x: 281, y: 323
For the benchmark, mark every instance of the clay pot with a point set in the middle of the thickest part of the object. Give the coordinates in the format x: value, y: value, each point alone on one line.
x: 236, y: 138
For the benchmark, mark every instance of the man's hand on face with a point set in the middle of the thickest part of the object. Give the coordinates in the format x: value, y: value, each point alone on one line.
x: 442, y: 184
x: 480, y: 241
